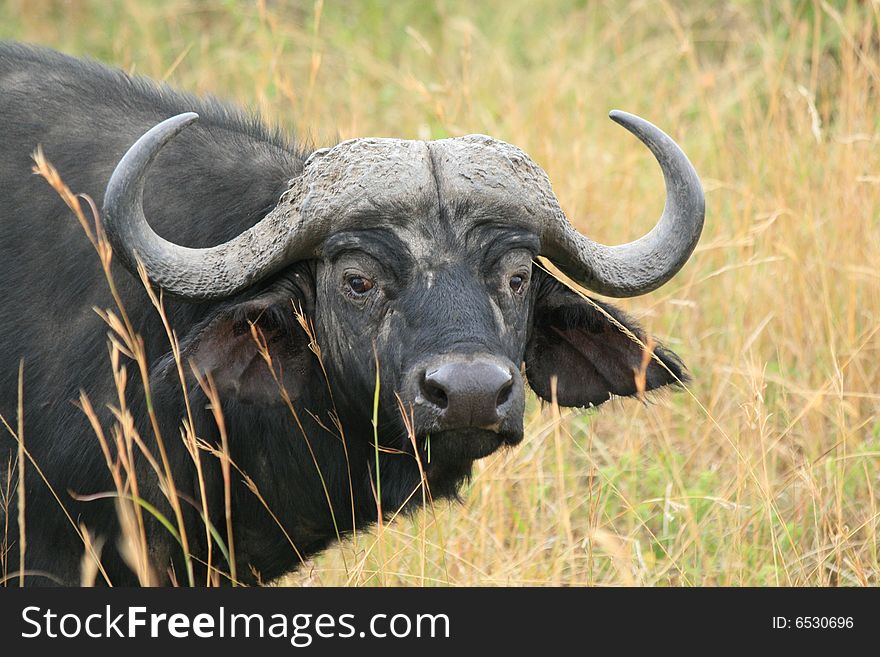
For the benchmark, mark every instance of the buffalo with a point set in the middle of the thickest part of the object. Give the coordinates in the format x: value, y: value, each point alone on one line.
x: 345, y: 330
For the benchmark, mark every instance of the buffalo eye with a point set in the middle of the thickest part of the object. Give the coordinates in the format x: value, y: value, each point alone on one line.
x: 517, y: 283
x: 359, y: 285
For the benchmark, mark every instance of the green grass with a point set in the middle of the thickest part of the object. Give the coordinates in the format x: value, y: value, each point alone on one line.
x: 766, y: 470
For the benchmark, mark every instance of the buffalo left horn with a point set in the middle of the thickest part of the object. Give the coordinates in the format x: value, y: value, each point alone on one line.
x: 647, y: 263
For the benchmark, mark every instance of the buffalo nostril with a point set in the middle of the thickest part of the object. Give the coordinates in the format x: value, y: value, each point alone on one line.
x: 504, y: 393
x: 434, y: 391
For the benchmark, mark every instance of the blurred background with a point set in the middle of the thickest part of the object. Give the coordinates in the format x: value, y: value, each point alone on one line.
x: 765, y: 470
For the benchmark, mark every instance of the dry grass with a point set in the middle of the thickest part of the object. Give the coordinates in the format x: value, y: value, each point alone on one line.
x: 765, y: 471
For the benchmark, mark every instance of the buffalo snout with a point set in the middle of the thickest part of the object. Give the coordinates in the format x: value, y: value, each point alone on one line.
x: 464, y: 393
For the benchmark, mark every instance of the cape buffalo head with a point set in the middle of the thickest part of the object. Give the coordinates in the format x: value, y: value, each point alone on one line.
x: 418, y: 258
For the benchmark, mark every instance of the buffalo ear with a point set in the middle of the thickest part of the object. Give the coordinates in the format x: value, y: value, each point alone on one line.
x: 591, y: 358
x: 230, y: 345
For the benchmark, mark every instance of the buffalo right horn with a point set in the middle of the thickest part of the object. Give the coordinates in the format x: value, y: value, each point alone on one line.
x: 198, y: 274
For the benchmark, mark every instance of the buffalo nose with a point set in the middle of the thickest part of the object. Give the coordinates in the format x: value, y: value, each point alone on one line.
x: 468, y: 393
